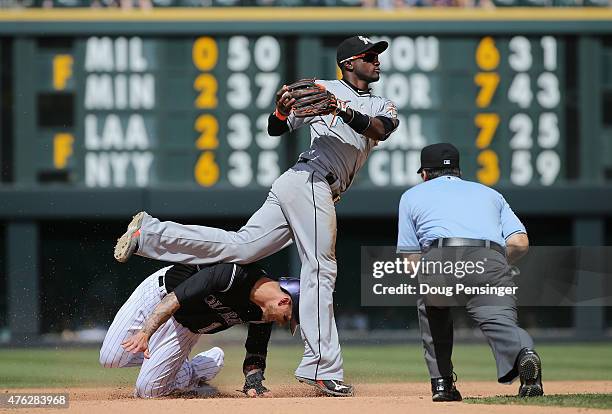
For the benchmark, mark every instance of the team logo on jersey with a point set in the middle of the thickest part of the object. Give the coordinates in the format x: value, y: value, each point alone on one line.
x: 226, y: 313
x: 392, y: 110
x: 365, y: 40
x: 210, y: 327
x: 342, y: 105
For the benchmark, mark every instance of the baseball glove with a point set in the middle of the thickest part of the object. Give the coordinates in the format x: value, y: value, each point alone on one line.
x: 311, y: 99
x: 253, y: 385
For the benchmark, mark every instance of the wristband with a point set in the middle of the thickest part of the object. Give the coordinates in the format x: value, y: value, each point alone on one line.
x: 279, y: 115
x: 253, y: 361
x: 359, y: 122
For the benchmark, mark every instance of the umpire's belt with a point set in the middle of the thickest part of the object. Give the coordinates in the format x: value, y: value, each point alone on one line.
x: 463, y: 242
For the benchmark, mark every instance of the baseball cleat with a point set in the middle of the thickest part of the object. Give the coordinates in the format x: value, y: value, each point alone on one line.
x: 128, y: 242
x: 530, y: 373
x: 443, y: 390
x: 334, y: 388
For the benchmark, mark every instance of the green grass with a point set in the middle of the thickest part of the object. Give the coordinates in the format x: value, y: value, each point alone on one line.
x: 602, y: 401
x: 79, y: 367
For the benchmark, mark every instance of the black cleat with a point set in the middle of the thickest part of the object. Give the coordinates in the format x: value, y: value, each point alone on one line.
x: 443, y: 389
x: 530, y: 372
x: 334, y: 388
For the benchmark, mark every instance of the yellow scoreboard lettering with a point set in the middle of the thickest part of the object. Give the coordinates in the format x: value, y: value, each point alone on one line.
x: 488, y: 83
x: 208, y: 127
x: 487, y: 123
x: 487, y: 54
x: 488, y: 174
x: 62, y: 149
x: 206, y: 169
x: 62, y: 71
x: 205, y: 53
x: 207, y: 85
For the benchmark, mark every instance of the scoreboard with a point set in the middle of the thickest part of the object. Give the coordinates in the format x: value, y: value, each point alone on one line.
x: 193, y: 111
x: 153, y: 112
x: 499, y: 99
x: 189, y: 110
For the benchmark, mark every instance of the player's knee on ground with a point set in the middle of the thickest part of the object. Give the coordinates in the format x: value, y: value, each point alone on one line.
x: 145, y: 388
x: 208, y: 364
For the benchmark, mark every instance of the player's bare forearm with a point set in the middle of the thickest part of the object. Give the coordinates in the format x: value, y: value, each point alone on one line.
x: 517, y: 246
x: 139, y: 342
x: 162, y: 312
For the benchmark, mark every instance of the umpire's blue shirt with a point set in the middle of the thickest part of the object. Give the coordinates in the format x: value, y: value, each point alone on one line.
x: 451, y: 207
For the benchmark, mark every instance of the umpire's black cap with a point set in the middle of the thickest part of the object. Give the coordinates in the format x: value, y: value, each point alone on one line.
x: 357, y: 45
x: 442, y: 155
x: 291, y: 286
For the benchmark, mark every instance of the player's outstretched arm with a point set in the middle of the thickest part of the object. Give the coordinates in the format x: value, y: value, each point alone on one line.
x: 254, y: 364
x: 139, y: 342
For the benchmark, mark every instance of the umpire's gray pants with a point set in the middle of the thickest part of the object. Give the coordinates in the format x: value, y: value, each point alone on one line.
x: 299, y: 208
x: 496, y: 318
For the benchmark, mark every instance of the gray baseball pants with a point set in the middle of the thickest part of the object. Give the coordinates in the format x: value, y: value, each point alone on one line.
x: 299, y: 208
x: 496, y: 317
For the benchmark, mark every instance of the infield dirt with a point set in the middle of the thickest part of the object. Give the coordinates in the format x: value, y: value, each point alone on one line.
x: 402, y: 398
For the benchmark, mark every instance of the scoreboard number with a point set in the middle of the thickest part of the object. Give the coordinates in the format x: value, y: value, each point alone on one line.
x: 522, y: 127
x: 208, y: 127
x: 532, y: 159
x: 488, y: 60
x: 207, y: 85
x: 548, y: 165
x: 247, y: 134
x: 487, y: 54
x: 520, y: 90
x: 520, y: 58
x: 206, y: 170
x: 548, y: 132
x: 205, y: 56
x: 548, y: 95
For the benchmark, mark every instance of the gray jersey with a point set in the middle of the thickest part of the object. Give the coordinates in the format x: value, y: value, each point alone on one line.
x: 338, y: 148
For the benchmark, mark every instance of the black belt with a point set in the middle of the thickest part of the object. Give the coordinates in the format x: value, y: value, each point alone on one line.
x: 463, y: 242
x: 330, y: 177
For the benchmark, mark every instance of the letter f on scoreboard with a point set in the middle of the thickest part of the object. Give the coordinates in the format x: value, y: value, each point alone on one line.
x: 62, y: 71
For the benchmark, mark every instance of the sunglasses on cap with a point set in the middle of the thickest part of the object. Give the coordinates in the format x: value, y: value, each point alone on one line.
x: 369, y: 57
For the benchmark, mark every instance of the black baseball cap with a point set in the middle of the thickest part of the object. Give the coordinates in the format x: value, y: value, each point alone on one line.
x: 357, y: 45
x: 442, y: 155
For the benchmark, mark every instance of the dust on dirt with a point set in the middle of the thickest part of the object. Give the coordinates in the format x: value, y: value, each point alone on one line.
x: 302, y: 399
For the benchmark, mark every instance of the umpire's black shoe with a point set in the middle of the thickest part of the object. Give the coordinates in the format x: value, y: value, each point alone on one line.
x: 334, y: 388
x: 530, y: 372
x: 443, y: 389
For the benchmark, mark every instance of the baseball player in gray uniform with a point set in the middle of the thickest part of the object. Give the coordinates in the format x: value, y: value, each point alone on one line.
x: 300, y: 207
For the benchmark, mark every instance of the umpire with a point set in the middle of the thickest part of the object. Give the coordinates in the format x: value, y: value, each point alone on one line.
x: 446, y: 211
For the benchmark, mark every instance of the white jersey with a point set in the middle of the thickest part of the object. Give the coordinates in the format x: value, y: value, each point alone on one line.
x: 338, y: 148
